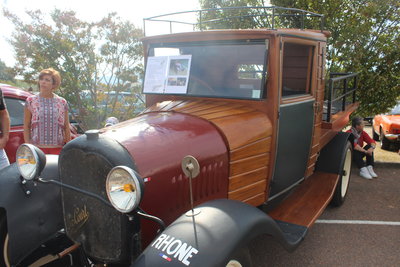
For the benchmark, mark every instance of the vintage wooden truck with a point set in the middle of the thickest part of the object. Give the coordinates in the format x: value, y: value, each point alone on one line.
x: 267, y: 155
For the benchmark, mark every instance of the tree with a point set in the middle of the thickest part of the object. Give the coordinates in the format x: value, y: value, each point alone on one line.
x: 94, y: 59
x: 6, y: 73
x: 365, y: 38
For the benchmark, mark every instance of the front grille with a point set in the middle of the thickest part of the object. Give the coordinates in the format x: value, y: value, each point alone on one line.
x: 102, y: 231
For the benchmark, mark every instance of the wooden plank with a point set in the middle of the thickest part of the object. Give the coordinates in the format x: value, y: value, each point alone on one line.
x: 255, y: 148
x: 340, y: 120
x: 157, y: 107
x: 204, y: 106
x: 256, y: 200
x: 248, y: 178
x: 318, y: 120
x: 245, y: 128
x: 248, y: 191
x: 187, y: 105
x: 309, y: 200
x: 225, y: 113
x: 326, y: 125
x: 312, y: 159
x: 309, y: 171
x: 314, y: 149
x: 171, y: 105
x: 326, y: 136
x: 216, y: 109
x: 248, y: 164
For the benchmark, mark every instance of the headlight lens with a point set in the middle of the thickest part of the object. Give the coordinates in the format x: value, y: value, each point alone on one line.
x: 27, y: 161
x: 124, y: 188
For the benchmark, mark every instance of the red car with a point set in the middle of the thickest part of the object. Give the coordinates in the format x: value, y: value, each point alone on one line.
x: 15, y: 101
x: 386, y: 127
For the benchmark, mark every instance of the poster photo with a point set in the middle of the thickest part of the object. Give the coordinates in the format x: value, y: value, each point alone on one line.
x: 168, y: 75
x: 154, y: 79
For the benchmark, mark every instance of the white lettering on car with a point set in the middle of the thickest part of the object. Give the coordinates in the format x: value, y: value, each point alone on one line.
x: 170, y: 249
x: 175, y: 248
x: 166, y: 242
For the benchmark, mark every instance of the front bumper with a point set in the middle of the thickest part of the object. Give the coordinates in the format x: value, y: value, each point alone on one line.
x: 393, y: 137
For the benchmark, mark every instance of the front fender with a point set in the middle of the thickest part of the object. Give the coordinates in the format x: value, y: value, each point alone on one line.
x: 32, y: 218
x: 211, y: 237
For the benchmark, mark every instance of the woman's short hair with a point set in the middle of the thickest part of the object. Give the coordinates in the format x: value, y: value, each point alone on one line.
x: 55, y: 75
x: 356, y: 121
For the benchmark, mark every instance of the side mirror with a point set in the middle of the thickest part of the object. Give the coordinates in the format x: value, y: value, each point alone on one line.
x: 30, y: 161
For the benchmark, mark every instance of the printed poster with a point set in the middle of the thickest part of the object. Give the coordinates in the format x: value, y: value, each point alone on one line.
x: 167, y: 75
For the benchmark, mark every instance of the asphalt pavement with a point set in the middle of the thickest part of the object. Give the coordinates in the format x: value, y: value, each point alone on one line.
x: 364, y: 231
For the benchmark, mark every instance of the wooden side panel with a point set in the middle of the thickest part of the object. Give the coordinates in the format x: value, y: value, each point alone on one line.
x: 252, y: 149
x: 319, y: 87
x: 248, y: 133
x: 338, y: 122
x: 247, y: 164
x: 244, y: 129
x: 242, y: 179
x: 248, y: 191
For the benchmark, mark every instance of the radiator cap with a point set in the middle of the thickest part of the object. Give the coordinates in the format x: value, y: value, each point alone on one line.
x: 92, y: 134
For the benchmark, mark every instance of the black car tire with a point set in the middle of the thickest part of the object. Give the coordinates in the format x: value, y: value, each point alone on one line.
x: 385, y: 144
x: 344, y: 180
x: 3, y: 235
x: 375, y: 136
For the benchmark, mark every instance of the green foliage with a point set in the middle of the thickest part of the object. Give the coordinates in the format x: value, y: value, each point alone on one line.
x: 365, y: 38
x: 93, y: 58
x: 6, y: 74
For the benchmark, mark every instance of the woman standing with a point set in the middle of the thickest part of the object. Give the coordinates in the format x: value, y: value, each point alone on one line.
x: 46, y: 122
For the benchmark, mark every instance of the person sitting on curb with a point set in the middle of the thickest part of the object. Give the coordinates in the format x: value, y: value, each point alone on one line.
x: 359, y: 152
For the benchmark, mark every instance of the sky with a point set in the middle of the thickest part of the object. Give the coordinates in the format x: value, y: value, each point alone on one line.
x: 90, y: 10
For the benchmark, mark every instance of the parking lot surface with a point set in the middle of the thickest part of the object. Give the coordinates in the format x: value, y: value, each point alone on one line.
x: 365, y: 231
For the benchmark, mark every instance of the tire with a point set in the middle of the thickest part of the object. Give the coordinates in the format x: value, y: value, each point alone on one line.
x: 3, y: 235
x: 375, y: 136
x: 241, y: 258
x: 385, y: 144
x: 342, y: 186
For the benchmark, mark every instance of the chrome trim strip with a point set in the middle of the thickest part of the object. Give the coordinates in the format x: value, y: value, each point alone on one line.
x: 285, y: 190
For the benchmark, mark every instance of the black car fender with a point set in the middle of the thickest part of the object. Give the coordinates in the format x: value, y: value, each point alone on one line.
x: 218, y: 229
x: 329, y: 159
x: 33, y: 210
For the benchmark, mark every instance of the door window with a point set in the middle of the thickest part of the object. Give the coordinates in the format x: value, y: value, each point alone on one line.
x: 297, y: 66
x: 15, y: 108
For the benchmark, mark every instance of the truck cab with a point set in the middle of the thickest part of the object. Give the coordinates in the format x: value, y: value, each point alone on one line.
x: 267, y: 154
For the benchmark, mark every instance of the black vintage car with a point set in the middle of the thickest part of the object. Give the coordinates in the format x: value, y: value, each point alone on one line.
x: 235, y: 143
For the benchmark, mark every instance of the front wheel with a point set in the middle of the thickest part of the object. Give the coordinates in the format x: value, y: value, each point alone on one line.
x: 375, y: 136
x: 3, y: 241
x: 241, y: 258
x: 344, y: 180
x: 384, y: 141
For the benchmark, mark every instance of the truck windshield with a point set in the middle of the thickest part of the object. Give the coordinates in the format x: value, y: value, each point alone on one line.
x: 227, y: 69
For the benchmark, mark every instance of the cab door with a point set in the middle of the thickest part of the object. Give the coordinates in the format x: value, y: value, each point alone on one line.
x: 296, y: 114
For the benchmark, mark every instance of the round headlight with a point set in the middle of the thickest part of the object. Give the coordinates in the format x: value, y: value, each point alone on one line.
x: 30, y: 161
x: 124, y: 188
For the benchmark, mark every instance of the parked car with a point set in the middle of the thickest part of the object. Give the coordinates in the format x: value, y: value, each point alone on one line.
x: 15, y: 101
x: 233, y: 145
x: 386, y: 127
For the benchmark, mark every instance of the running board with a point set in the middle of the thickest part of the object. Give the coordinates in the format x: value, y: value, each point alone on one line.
x: 308, y: 201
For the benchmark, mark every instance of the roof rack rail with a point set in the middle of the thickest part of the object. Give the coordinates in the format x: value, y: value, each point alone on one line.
x: 266, y: 17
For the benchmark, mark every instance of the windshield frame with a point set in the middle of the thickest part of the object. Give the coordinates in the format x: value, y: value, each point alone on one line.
x: 244, y: 42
